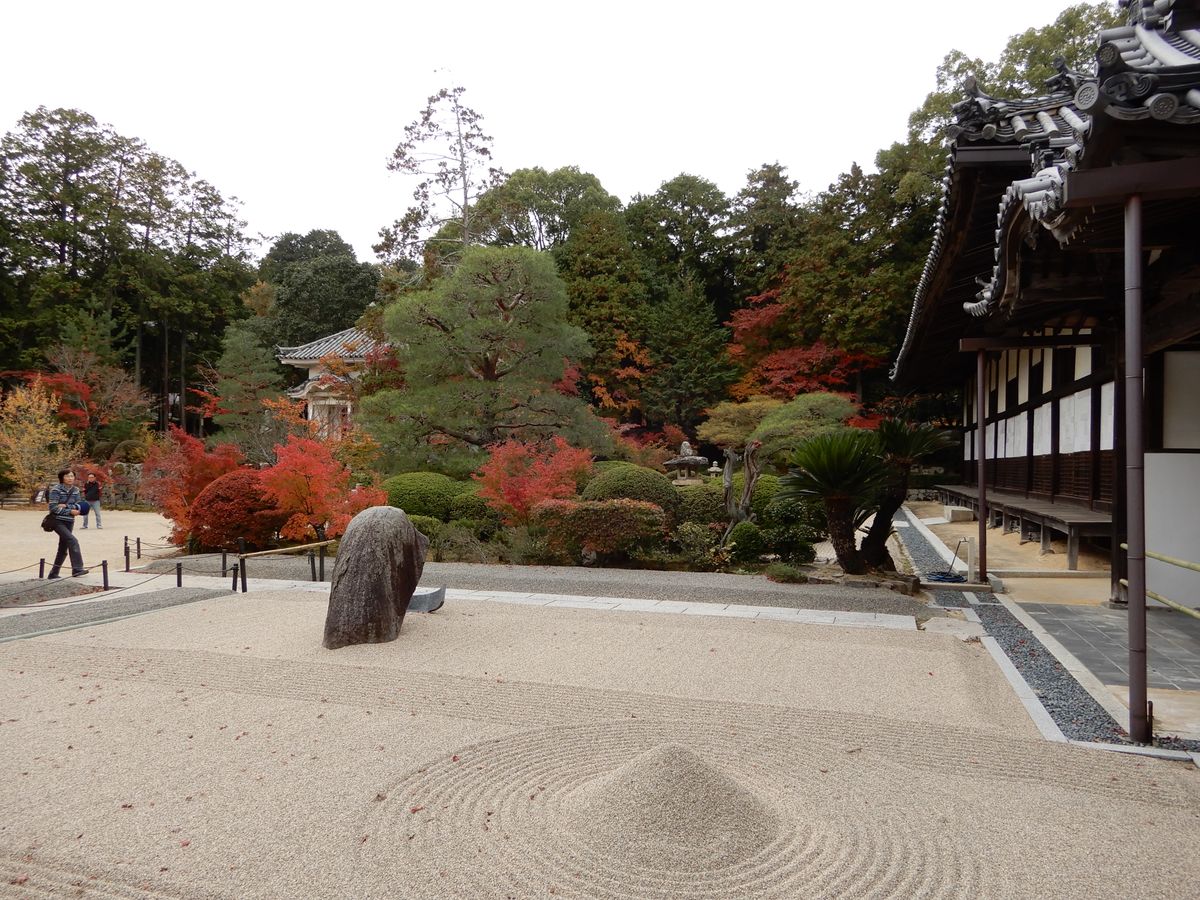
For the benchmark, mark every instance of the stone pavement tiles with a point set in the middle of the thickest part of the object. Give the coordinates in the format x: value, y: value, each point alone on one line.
x: 1098, y: 637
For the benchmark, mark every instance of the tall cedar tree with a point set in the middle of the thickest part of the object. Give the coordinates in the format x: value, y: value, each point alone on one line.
x: 687, y: 351
x: 247, y: 375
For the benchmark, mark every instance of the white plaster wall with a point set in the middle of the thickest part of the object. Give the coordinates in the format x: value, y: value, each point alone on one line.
x: 1082, y: 434
x: 1066, y: 424
x: 1083, y: 362
x: 1107, y: 432
x: 1048, y: 373
x: 1181, y: 409
x: 1023, y: 377
x: 1041, y: 430
x: 990, y: 440
x: 1172, y: 498
x: 1017, y: 434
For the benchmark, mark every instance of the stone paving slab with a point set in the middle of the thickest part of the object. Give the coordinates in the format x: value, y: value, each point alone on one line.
x: 1098, y: 637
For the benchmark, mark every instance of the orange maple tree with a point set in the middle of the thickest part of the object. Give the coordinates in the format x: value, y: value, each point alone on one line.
x: 313, y: 489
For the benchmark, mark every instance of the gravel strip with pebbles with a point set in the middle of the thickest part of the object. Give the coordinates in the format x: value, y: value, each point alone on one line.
x: 77, y: 615
x: 645, y: 584
x: 1073, y: 709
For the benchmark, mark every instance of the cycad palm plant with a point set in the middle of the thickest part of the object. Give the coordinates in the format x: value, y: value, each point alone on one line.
x: 901, y: 445
x: 844, y: 470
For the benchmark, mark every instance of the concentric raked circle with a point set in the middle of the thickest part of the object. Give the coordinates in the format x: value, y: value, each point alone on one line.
x: 662, y: 810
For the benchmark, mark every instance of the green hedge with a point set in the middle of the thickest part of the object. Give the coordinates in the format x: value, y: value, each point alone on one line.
x: 427, y: 525
x: 702, y: 504
x: 628, y: 482
x: 609, y: 528
x: 424, y: 493
x: 747, y: 542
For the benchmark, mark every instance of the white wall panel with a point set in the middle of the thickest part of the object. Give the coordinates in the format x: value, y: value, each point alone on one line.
x: 1041, y: 430
x: 1181, y: 408
x: 1172, y: 497
x: 1066, y: 424
x: 1023, y: 377
x: 1107, y: 422
x: 1083, y: 362
x: 1048, y: 372
x: 1018, y: 436
x: 1083, y: 423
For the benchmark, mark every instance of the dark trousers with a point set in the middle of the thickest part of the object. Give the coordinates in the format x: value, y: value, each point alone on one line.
x: 67, y: 543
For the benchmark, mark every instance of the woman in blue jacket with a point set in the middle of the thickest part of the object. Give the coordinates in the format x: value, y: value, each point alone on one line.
x: 65, y: 503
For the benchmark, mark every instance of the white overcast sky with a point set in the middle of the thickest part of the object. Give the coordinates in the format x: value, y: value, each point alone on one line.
x: 295, y: 107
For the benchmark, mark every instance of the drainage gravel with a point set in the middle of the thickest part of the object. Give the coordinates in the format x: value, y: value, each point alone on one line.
x: 1073, y: 709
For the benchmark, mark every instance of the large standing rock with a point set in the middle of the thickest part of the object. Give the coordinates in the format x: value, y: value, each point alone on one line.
x: 379, y: 563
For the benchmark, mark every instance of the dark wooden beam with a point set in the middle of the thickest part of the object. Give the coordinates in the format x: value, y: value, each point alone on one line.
x: 972, y: 345
x: 991, y: 155
x: 1150, y: 181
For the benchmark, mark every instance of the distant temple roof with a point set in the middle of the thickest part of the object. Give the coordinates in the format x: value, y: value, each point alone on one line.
x: 1009, y: 158
x: 352, y: 345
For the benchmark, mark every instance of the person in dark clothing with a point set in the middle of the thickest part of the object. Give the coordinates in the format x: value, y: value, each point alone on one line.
x: 65, y: 503
x: 91, y: 493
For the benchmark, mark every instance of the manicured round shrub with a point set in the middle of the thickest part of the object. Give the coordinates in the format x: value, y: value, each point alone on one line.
x: 792, y: 543
x: 423, y: 493
x: 635, y: 483
x: 702, y: 503
x: 765, y: 489
x: 747, y: 542
x: 608, y: 528
x: 233, y: 506
x: 427, y: 525
x: 808, y: 514
x: 482, y: 529
x: 131, y: 451
x: 698, y: 547
x: 469, y: 505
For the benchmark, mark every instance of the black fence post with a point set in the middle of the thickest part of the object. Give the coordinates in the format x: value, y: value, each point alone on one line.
x: 224, y: 566
x: 42, y: 567
x: 139, y: 548
x: 178, y: 574
x: 322, y: 570
x: 127, y: 556
x: 104, y: 569
x: 235, y: 577
x: 312, y: 564
x: 242, y: 561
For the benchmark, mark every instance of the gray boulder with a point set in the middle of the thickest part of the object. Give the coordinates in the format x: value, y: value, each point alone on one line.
x: 379, y: 563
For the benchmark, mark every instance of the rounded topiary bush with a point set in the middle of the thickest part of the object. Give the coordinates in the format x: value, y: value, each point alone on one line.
x: 635, y: 483
x: 765, y: 489
x: 783, y: 572
x: 702, y: 503
x: 427, y: 525
x: 423, y: 493
x: 232, y: 506
x: 792, y: 543
x: 808, y: 514
x: 611, y: 529
x: 747, y: 542
x: 469, y: 505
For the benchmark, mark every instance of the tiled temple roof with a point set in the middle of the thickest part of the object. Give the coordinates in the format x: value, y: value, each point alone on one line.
x: 352, y: 345
x: 1148, y: 69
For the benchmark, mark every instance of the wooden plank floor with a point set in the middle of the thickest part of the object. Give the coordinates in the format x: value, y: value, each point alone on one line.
x: 1059, y: 511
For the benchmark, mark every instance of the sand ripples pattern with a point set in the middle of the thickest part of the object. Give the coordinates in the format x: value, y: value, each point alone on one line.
x: 660, y: 810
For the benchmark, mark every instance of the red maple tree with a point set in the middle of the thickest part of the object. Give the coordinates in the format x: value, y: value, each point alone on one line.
x: 313, y: 490
x: 517, y: 477
x: 177, y: 469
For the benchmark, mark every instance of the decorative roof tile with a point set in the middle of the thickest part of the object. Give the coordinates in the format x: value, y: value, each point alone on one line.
x: 352, y: 345
x: 1147, y: 69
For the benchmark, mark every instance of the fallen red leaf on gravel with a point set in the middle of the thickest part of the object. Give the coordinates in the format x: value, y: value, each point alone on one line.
x: 416, y: 809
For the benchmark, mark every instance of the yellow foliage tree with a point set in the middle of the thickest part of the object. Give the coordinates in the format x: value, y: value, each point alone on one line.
x: 33, y: 442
